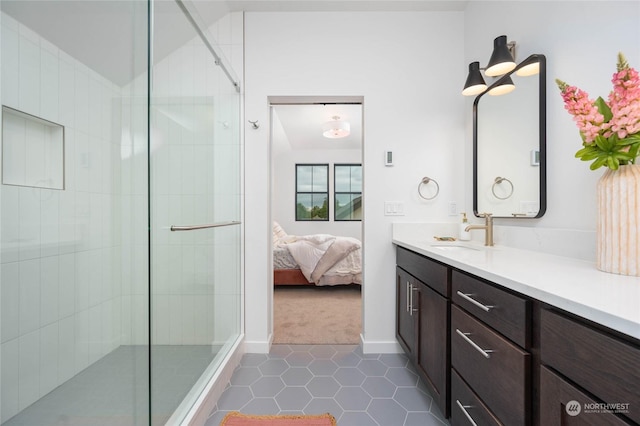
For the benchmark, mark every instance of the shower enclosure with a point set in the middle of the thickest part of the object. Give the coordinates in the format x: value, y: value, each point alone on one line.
x: 120, y: 207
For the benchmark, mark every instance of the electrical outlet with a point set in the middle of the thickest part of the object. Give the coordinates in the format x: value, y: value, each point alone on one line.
x: 453, y: 208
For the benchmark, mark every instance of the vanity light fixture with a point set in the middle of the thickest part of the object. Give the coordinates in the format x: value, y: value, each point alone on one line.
x: 502, y: 59
x: 475, y: 83
x: 336, y: 129
x: 501, y: 62
x: 529, y: 69
x: 505, y: 86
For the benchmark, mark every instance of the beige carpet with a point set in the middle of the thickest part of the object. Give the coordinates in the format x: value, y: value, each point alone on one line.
x: 317, y: 315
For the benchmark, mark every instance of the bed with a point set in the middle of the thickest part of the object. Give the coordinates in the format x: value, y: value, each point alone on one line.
x: 319, y: 259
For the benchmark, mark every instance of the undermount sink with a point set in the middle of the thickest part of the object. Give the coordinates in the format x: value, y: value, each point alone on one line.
x: 454, y: 247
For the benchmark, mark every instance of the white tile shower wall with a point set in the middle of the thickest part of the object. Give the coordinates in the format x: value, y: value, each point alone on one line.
x: 61, y: 263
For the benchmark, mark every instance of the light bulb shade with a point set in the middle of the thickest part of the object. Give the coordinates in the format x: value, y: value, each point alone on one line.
x: 501, y: 61
x: 529, y: 69
x: 336, y: 129
x: 475, y: 83
x: 505, y: 86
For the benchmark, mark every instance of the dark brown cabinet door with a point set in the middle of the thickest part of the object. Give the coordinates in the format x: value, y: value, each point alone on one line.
x: 405, y: 320
x: 433, y: 354
x: 561, y: 404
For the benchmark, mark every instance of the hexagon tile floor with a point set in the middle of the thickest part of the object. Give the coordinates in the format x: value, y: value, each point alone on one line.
x: 358, y: 389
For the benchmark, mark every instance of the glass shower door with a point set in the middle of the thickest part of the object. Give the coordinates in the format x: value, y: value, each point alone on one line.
x: 194, y: 158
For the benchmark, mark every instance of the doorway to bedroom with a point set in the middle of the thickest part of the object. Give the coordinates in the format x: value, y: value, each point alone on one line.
x: 316, y: 210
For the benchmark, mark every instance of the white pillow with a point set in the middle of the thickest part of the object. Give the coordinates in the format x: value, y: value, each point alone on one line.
x: 279, y: 235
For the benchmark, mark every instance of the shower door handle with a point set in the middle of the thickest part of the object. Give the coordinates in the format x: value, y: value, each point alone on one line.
x: 205, y: 226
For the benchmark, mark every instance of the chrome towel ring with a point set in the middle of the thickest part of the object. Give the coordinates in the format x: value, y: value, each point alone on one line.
x: 497, y: 181
x: 426, y: 181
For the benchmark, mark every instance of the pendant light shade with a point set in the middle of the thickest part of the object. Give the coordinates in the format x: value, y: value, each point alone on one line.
x: 475, y: 83
x: 506, y: 86
x: 529, y: 69
x: 336, y: 129
x: 501, y: 61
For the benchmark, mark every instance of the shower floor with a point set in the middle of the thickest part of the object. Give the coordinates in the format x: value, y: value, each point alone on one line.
x: 113, y: 391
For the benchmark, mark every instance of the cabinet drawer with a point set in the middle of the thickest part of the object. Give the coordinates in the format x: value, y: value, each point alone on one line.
x: 466, y: 408
x: 506, y: 313
x: 603, y: 365
x: 561, y: 404
x: 500, y: 376
x: 430, y: 272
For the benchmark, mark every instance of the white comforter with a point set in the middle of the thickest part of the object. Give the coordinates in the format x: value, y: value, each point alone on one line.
x: 326, y: 259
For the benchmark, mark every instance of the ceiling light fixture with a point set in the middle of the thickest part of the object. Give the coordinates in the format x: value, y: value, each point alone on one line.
x: 336, y: 129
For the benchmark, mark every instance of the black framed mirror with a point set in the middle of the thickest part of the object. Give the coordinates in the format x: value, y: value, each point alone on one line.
x: 509, y: 144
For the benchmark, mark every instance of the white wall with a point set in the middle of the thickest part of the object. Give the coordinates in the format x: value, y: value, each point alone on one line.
x: 581, y: 41
x: 408, y: 67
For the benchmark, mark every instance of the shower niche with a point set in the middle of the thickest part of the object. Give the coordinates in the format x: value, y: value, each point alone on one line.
x: 32, y: 150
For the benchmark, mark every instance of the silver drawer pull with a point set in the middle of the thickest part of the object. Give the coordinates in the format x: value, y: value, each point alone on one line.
x: 484, y: 352
x: 474, y: 301
x: 411, y: 299
x: 466, y: 413
x: 408, y: 303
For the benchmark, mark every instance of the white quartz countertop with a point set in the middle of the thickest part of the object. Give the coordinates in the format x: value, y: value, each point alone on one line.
x: 570, y: 284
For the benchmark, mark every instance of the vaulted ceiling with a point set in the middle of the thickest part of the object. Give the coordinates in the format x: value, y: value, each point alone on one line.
x: 110, y: 37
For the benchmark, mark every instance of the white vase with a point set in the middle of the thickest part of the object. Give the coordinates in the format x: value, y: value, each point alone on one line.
x: 618, y: 238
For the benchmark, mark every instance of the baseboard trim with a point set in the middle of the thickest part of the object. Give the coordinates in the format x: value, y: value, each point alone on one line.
x: 379, y: 346
x: 258, y: 346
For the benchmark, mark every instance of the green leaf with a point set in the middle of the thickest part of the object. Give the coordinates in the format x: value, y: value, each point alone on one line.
x: 590, y: 155
x: 633, y: 152
x: 612, y: 162
x: 586, y: 150
x: 603, y: 143
x: 629, y: 140
x: 598, y: 163
x: 603, y: 109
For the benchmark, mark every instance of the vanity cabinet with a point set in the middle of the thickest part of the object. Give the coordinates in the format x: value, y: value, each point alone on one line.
x: 588, y: 367
x: 510, y: 359
x: 490, y: 334
x: 422, y: 320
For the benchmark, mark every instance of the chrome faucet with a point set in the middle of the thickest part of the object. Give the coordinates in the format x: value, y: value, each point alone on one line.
x: 488, y: 228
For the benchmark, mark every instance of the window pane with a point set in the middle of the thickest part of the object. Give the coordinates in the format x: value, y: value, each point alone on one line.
x: 303, y: 206
x: 320, y: 178
x: 356, y: 213
x: 304, y: 178
x: 343, y: 179
x: 320, y: 208
x: 356, y: 179
x: 343, y: 206
x: 348, y: 207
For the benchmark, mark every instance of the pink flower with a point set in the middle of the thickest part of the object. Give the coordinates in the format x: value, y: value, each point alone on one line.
x: 624, y: 100
x: 586, y: 115
x: 614, y: 125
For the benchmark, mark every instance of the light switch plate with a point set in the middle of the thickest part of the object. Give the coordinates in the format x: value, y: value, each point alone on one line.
x: 388, y: 158
x: 393, y: 208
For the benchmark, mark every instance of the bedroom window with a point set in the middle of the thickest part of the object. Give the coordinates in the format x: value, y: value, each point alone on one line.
x: 312, y: 192
x: 347, y: 191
